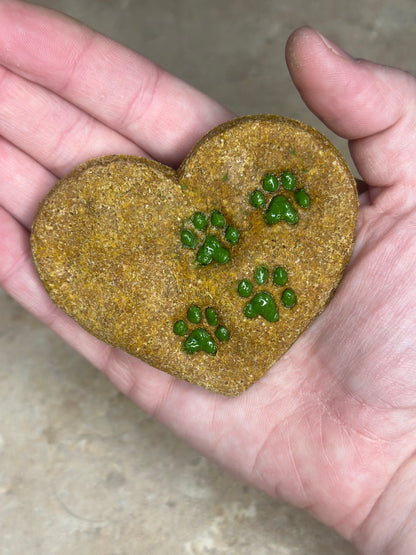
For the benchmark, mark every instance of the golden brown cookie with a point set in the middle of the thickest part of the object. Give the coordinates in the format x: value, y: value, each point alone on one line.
x: 212, y: 272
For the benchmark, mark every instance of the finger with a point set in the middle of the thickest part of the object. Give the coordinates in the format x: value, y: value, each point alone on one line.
x: 124, y: 90
x: 371, y: 105
x: 347, y: 94
x: 23, y: 183
x: 51, y: 130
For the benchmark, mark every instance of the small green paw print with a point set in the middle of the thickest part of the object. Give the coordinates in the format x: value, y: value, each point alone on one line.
x: 210, y: 236
x: 280, y: 208
x: 199, y: 339
x: 263, y: 303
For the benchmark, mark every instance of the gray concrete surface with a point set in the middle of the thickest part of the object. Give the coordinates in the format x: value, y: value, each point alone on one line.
x: 82, y: 470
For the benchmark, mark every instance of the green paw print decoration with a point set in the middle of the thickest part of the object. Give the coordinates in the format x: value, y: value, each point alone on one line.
x: 210, y: 236
x: 263, y: 303
x: 279, y: 208
x: 199, y: 338
x: 212, y: 239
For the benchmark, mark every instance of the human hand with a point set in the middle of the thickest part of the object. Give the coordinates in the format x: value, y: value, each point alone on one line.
x: 331, y: 427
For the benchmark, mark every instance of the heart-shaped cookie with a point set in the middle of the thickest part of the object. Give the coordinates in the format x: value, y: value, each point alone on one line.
x: 212, y: 272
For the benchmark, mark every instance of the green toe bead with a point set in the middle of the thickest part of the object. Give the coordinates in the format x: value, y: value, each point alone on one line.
x: 302, y: 198
x: 245, y: 288
x: 203, y: 258
x: 217, y: 219
x: 200, y: 221
x: 288, y: 298
x: 280, y: 276
x: 188, y: 239
x: 232, y: 235
x: 222, y: 333
x: 180, y: 327
x: 257, y: 199
x: 270, y: 183
x: 194, y: 314
x: 261, y: 275
x: 211, y: 316
x: 288, y: 181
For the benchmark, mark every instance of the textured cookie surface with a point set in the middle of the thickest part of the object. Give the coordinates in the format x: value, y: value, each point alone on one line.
x: 256, y: 226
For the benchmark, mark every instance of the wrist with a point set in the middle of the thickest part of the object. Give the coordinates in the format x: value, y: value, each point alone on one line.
x: 390, y: 527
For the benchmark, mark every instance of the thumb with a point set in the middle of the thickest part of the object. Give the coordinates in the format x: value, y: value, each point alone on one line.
x: 373, y: 106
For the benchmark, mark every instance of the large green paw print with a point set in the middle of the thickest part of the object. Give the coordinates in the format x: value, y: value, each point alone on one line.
x: 280, y: 208
x: 211, y: 237
x: 263, y: 303
x: 199, y: 339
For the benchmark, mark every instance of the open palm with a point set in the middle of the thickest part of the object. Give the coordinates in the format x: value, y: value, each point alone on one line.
x: 332, y: 426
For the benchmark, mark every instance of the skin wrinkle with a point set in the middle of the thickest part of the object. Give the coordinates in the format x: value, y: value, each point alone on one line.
x: 86, y: 49
x: 62, y: 167
x: 362, y: 536
x: 368, y: 226
x: 20, y: 164
x: 400, y: 538
x: 304, y: 399
x: 125, y: 379
x: 354, y: 446
x: 141, y: 102
x: 214, y: 414
x: 262, y: 453
x: 254, y: 466
x: 381, y: 445
x: 281, y: 428
x: 220, y: 447
x: 349, y: 513
x: 368, y: 163
x: 159, y: 407
x: 295, y: 468
x: 324, y: 449
x: 5, y: 76
x: 8, y: 271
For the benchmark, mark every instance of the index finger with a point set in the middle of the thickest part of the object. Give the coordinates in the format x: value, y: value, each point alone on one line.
x: 119, y: 87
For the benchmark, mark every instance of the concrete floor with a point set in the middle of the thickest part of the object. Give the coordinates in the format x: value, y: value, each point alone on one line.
x: 82, y: 470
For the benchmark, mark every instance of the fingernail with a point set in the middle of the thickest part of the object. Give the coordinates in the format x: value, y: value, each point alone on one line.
x: 335, y: 49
